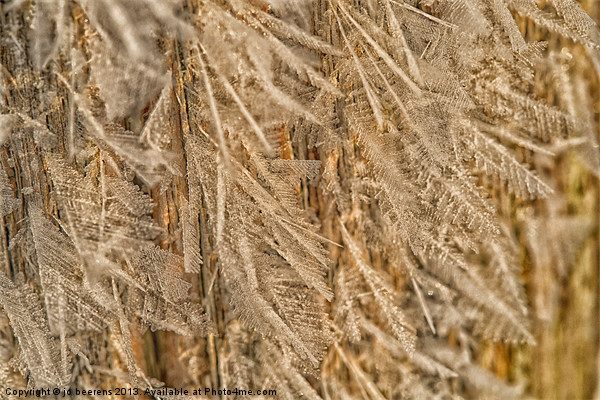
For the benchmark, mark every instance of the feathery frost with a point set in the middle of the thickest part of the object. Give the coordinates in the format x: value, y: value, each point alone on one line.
x: 306, y: 193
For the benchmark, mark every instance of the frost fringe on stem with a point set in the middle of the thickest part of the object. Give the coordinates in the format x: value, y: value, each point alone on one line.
x: 216, y: 169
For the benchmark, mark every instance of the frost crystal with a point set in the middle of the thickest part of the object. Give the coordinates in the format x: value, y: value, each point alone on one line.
x: 309, y: 196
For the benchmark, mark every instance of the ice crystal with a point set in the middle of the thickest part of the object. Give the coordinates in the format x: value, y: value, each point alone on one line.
x: 282, y: 184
